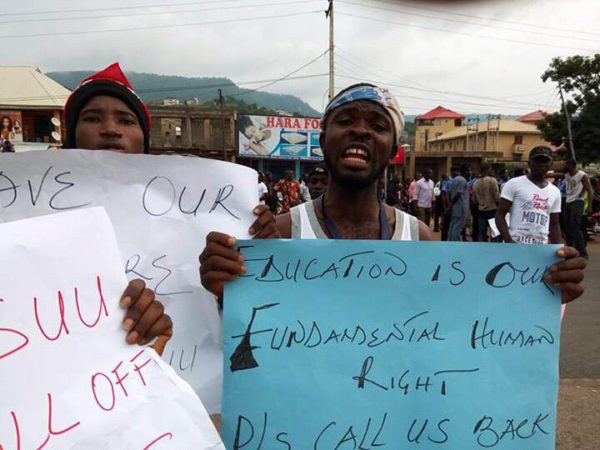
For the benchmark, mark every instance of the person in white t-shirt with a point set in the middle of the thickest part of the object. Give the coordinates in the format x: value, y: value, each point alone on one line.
x: 533, y: 204
x: 263, y: 191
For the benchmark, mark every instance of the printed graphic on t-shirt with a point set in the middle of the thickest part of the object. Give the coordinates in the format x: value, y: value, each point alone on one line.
x: 535, y: 219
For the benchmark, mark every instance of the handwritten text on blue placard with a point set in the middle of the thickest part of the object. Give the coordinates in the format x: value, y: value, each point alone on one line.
x: 398, y: 345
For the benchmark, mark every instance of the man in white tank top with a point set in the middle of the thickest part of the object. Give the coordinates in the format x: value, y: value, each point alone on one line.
x: 359, y: 134
x: 577, y: 184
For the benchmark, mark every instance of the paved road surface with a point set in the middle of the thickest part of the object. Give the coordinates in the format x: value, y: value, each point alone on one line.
x: 579, y: 397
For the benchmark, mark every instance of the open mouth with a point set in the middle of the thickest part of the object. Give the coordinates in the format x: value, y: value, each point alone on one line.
x: 114, y: 146
x: 356, y: 156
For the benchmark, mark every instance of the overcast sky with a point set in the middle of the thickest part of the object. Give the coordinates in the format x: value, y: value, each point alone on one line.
x: 428, y: 53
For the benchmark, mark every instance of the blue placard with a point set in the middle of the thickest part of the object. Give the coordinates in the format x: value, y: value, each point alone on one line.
x: 391, y: 345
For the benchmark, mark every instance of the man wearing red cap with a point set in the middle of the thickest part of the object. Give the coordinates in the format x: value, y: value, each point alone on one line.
x: 104, y: 113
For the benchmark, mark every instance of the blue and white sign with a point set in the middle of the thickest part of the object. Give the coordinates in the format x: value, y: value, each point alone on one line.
x: 333, y: 344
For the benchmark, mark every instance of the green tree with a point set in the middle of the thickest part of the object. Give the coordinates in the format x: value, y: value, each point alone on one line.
x: 579, y: 77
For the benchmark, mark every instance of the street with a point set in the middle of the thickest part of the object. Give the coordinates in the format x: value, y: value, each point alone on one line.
x: 579, y: 397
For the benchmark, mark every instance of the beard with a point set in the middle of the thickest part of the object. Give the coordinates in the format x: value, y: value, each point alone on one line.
x: 351, y: 181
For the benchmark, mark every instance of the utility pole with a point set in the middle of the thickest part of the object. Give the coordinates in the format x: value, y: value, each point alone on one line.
x: 329, y: 14
x: 221, y: 104
x: 562, y: 99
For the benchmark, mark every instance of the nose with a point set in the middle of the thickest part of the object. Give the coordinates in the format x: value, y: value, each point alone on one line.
x: 110, y: 128
x: 361, y: 129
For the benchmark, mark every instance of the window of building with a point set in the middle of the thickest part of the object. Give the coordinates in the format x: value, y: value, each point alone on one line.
x: 518, y: 139
x: 457, y: 122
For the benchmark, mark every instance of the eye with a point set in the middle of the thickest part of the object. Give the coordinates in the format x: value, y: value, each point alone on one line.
x: 90, y: 118
x: 379, y: 126
x: 126, y: 121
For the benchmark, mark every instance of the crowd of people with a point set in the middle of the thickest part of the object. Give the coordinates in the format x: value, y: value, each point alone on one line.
x: 487, y: 205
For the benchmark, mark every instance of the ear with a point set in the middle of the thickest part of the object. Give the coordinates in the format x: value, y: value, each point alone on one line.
x: 322, y: 140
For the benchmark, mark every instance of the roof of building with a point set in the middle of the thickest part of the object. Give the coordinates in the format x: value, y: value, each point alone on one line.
x: 27, y: 86
x: 506, y: 126
x: 532, y: 117
x: 439, y: 112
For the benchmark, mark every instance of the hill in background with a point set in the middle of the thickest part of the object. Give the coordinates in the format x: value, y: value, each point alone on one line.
x: 158, y: 87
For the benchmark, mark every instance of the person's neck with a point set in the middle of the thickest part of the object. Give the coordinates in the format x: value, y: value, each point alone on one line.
x: 538, y: 181
x: 351, y: 206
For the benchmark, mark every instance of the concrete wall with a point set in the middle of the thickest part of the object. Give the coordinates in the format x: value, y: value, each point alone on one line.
x: 205, y: 132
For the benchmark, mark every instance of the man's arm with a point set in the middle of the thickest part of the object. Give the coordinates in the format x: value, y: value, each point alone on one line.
x: 496, y: 190
x: 475, y: 189
x: 503, y: 209
x: 555, y: 236
x: 424, y: 232
x: 588, y: 187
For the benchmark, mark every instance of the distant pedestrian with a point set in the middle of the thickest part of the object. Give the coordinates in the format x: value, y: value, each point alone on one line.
x: 446, y: 206
x: 392, y: 196
x: 486, y: 195
x: 7, y: 147
x: 533, y: 204
x: 577, y: 184
x: 473, y: 209
x: 318, y: 179
x: 263, y: 191
x: 439, y: 207
x: 459, y: 203
x: 411, y: 194
x: 304, y: 192
x: 423, y: 197
x: 271, y: 200
x: 289, y: 189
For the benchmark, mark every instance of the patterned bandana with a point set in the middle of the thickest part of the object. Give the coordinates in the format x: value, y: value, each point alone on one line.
x: 370, y: 92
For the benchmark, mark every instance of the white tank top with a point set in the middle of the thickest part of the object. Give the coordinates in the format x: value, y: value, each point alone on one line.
x: 574, y: 185
x: 306, y: 225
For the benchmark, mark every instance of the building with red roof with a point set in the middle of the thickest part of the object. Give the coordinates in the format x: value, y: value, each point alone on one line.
x: 439, y: 112
x: 434, y: 123
x: 533, y: 117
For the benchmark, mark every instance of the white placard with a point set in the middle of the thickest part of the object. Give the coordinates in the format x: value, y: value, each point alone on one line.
x: 68, y: 380
x: 494, y: 227
x: 162, y: 207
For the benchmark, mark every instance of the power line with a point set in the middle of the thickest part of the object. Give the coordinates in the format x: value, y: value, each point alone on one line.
x: 515, y: 41
x: 285, y: 77
x: 157, y: 27
x: 155, y: 13
x: 404, y: 95
x: 355, y: 60
x: 459, y: 94
x: 489, y: 19
x: 118, y: 8
x: 369, y: 67
x: 538, y: 33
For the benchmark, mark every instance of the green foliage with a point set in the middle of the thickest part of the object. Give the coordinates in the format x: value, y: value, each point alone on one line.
x: 579, y: 77
x: 153, y: 87
x: 410, y: 128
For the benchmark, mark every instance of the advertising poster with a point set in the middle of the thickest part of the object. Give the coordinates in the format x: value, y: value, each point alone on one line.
x: 279, y: 137
x: 11, y: 127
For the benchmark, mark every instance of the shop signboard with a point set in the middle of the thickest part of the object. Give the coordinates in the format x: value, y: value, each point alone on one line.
x: 11, y: 127
x: 279, y: 137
